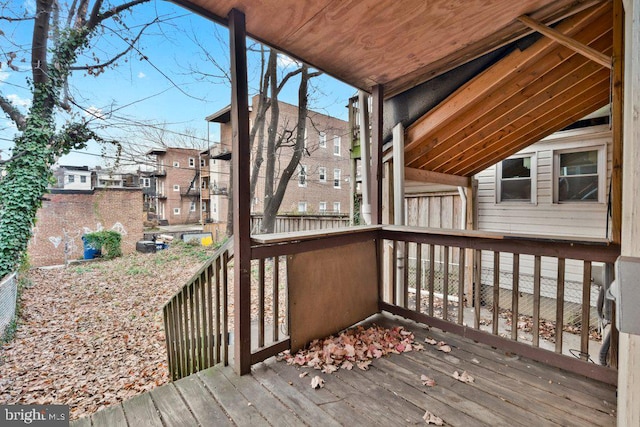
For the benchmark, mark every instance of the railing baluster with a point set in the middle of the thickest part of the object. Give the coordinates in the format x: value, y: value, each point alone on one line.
x: 445, y: 284
x: 419, y: 277
x: 405, y: 274
x: 432, y: 276
x: 167, y: 335
x: 225, y: 309
x: 394, y: 273
x: 477, y: 288
x: 461, y: 269
x: 560, y: 305
x: 217, y: 330
x: 198, y: 330
x: 586, y: 309
x: 276, y: 297
x: 181, y: 334
x: 192, y: 334
x: 209, y: 314
x: 261, y: 303
x: 535, y: 328
x: 515, y: 297
x: 496, y: 293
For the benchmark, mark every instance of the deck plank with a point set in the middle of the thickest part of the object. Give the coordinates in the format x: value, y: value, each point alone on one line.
x: 464, y: 398
x: 202, y: 404
x: 354, y: 405
x: 542, y: 399
x: 275, y: 412
x: 110, y: 416
x: 141, y: 412
x: 81, y: 422
x: 305, y: 408
x: 589, y: 394
x: 232, y: 401
x: 173, y: 411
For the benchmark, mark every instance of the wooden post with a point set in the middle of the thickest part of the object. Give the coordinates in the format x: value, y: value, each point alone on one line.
x: 241, y: 194
x: 376, y: 155
x: 629, y: 352
x: 398, y: 211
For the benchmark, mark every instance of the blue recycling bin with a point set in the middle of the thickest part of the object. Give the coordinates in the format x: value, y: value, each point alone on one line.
x: 89, y: 251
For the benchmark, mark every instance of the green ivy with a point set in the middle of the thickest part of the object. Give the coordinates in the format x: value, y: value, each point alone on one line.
x: 108, y: 239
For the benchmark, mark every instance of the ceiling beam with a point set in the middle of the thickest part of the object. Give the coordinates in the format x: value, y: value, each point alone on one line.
x: 431, y: 177
x: 573, y: 44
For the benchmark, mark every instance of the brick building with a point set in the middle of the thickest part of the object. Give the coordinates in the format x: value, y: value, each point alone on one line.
x: 66, y: 215
x: 177, y: 189
x: 319, y: 186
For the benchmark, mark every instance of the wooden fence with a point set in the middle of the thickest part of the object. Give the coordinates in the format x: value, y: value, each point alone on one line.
x: 291, y: 223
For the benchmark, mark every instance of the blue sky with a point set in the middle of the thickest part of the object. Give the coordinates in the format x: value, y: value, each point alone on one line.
x: 160, y: 89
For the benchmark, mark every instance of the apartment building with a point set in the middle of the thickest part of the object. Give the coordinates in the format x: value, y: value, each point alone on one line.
x: 177, y: 184
x: 319, y: 186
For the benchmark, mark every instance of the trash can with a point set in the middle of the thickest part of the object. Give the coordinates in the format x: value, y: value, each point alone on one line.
x: 89, y: 251
x: 145, y: 246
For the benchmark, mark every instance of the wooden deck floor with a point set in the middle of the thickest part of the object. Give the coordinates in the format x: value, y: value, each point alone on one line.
x: 507, y: 391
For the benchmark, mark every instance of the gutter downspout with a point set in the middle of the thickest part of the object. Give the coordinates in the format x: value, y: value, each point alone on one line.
x: 463, y: 198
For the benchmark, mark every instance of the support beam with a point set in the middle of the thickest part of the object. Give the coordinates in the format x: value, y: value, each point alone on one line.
x: 617, y: 86
x: 376, y: 155
x: 241, y: 194
x: 413, y: 174
x: 572, y: 44
x: 629, y: 352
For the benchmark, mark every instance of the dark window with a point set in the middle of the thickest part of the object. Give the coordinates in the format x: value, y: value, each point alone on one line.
x: 578, y: 176
x: 515, y: 182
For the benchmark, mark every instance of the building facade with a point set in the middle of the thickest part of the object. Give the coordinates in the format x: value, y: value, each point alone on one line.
x: 177, y: 185
x: 321, y: 183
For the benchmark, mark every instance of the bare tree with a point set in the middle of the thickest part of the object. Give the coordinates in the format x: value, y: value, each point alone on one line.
x: 58, y: 44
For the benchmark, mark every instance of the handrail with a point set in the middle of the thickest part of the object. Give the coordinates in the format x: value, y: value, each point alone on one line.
x: 196, y: 318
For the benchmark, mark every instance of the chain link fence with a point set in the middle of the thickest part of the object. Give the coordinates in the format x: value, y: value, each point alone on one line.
x: 8, y: 299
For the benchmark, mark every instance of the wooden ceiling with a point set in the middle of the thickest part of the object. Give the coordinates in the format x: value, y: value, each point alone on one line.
x: 521, y: 99
x: 398, y: 44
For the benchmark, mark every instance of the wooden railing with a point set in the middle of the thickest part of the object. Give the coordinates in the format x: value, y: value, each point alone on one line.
x: 478, y: 285
x: 430, y: 277
x: 196, y: 319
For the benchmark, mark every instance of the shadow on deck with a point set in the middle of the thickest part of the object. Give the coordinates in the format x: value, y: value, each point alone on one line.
x: 507, y: 391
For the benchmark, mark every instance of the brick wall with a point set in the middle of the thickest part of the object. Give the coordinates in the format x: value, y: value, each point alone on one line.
x: 180, y: 173
x: 66, y: 215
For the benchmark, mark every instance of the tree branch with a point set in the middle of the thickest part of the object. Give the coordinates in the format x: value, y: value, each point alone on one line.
x: 12, y: 19
x: 14, y: 114
x: 118, y: 56
x: 99, y: 17
x: 286, y: 78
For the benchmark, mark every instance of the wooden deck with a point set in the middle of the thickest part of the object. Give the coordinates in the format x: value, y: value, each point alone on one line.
x: 507, y: 391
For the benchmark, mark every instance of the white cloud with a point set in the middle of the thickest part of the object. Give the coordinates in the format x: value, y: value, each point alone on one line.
x: 94, y: 112
x: 4, y: 76
x: 284, y: 61
x: 18, y: 101
x: 141, y: 75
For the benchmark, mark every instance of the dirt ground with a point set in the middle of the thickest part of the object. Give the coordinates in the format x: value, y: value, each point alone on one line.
x: 92, y: 334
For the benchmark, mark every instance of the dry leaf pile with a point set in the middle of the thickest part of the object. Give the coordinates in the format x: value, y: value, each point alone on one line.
x: 353, y: 347
x: 92, y: 335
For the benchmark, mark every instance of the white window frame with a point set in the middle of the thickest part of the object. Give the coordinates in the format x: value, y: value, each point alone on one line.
x: 83, y: 179
x: 192, y: 162
x: 192, y: 206
x: 336, y: 207
x: 302, y: 207
x: 176, y: 211
x: 176, y: 187
x: 322, y: 174
x: 71, y: 179
x: 203, y: 162
x: 322, y: 207
x: 302, y: 176
x: 322, y: 140
x: 337, y: 143
x: 601, y: 168
x: 176, y: 164
x: 337, y: 178
x: 533, y: 178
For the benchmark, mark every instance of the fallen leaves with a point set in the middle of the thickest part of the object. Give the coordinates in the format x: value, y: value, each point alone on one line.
x: 355, y: 346
x: 92, y: 335
x: 429, y: 382
x: 317, y: 382
x: 463, y: 377
x: 429, y: 418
